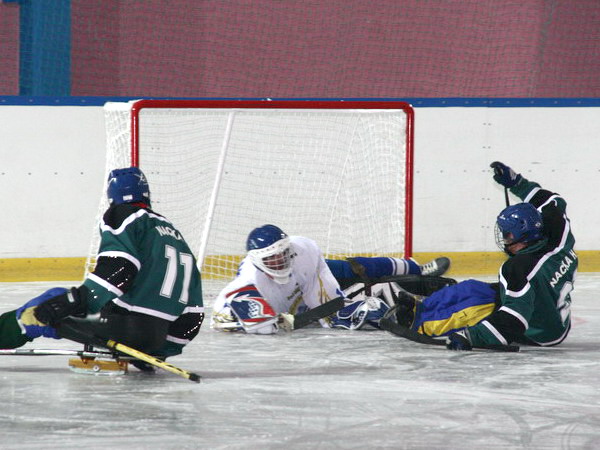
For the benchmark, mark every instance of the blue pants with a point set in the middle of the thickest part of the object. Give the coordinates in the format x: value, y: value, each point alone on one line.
x: 454, y: 307
x: 375, y: 267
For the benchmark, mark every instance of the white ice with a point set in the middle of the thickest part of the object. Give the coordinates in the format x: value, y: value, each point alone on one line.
x: 314, y: 389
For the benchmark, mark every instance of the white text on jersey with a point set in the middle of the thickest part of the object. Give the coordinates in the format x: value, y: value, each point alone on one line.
x: 166, y: 231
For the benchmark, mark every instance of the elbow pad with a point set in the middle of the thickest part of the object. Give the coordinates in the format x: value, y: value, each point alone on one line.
x: 116, y: 270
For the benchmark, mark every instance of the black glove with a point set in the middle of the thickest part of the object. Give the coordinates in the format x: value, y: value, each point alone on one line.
x: 71, y: 303
x: 459, y: 341
x: 504, y: 175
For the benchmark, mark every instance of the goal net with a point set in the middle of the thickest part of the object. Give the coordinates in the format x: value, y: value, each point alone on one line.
x: 338, y: 172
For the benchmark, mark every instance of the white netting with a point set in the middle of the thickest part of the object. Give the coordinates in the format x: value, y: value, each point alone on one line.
x: 337, y: 176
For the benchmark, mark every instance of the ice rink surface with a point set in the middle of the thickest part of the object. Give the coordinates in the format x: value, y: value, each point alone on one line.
x: 314, y: 389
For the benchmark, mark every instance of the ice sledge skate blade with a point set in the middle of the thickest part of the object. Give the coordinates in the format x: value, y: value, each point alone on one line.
x: 92, y: 366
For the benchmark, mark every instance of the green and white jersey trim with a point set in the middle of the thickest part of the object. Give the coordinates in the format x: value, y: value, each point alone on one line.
x: 132, y: 218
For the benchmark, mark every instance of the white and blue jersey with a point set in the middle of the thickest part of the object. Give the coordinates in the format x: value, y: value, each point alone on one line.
x: 259, y: 299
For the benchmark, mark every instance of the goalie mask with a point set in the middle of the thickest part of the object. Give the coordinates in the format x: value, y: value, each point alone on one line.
x: 269, y: 249
x: 127, y: 186
x: 518, y: 223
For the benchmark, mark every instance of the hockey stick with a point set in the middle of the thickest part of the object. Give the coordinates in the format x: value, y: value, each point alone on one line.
x: 360, y: 270
x: 56, y: 352
x: 290, y: 322
x: 498, y: 172
x: 65, y: 329
x: 388, y: 325
x: 416, y: 284
x: 320, y: 312
x: 423, y: 285
x: 150, y: 359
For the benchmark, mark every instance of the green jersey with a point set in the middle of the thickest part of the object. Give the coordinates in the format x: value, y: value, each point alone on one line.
x: 144, y: 265
x: 536, y: 282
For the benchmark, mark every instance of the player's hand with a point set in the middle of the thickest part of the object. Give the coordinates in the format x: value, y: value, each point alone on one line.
x: 504, y: 175
x: 459, y: 341
x: 25, y: 315
x: 354, y: 315
x: 71, y: 302
x: 286, y: 322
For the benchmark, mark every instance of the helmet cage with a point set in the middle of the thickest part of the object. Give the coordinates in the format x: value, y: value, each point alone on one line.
x: 503, y: 239
x: 274, y: 260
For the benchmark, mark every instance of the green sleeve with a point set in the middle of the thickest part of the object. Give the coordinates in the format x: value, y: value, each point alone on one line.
x: 11, y: 335
x: 523, y: 188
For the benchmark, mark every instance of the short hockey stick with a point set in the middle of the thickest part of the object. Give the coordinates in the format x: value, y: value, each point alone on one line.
x: 498, y: 172
x: 301, y: 320
x: 320, y: 312
x: 289, y: 322
x: 65, y: 329
x: 415, y: 283
x: 387, y: 324
x: 57, y: 352
x: 150, y: 359
x: 360, y: 270
x: 405, y: 332
x: 424, y: 285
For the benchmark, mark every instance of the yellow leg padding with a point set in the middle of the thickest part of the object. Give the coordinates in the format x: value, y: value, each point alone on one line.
x: 464, y: 318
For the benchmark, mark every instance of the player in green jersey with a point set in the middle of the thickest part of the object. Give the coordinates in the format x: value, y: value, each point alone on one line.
x: 531, y: 302
x: 145, y: 291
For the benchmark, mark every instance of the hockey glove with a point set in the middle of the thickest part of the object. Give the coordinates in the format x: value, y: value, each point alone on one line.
x: 27, y: 320
x: 286, y: 321
x: 461, y: 340
x: 356, y: 314
x: 63, y: 304
x: 254, y: 313
x: 504, y: 175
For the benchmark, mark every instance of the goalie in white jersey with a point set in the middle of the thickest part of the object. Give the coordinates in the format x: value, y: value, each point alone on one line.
x: 288, y: 274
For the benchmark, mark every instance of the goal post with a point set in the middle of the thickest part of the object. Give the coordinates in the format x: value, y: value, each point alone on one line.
x: 338, y: 172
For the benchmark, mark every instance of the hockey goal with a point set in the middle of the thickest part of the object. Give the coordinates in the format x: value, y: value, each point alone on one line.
x: 339, y: 172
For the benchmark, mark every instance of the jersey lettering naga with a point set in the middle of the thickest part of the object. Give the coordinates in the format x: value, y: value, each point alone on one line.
x: 253, y: 297
x: 535, y: 284
x: 144, y: 265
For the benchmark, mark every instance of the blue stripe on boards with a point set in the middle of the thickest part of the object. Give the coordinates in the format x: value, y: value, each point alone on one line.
x: 51, y: 99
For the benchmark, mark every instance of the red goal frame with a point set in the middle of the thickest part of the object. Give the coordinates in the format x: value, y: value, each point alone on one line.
x: 139, y: 105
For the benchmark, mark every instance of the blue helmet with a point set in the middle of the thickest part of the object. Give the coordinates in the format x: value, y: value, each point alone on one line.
x: 269, y: 249
x: 518, y: 223
x: 264, y: 236
x: 127, y: 185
